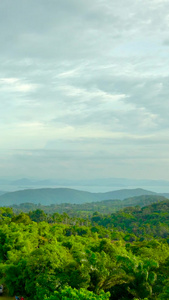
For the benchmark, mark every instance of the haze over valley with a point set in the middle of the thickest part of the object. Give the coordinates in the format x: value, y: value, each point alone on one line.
x: 90, y: 185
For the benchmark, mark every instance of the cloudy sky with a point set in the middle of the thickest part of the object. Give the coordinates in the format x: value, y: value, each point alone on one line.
x: 84, y: 88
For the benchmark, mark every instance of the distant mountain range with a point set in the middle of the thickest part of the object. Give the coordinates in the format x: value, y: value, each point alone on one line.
x: 47, y: 196
x: 109, y: 182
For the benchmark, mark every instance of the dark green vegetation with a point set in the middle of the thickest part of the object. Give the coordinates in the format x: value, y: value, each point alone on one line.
x: 122, y: 255
x: 86, y: 209
x: 64, y: 195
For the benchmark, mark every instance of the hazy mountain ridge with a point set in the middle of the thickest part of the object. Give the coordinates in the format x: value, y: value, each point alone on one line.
x: 2, y: 192
x: 47, y: 196
x: 124, y: 193
x: 166, y: 195
x: 110, y: 182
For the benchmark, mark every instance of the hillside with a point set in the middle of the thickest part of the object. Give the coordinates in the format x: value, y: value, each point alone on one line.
x: 2, y: 193
x: 166, y: 195
x: 151, y: 220
x: 87, y: 209
x: 47, y: 196
x: 143, y: 200
x: 123, y: 194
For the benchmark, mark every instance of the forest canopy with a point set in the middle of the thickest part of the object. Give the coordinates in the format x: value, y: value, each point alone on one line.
x: 123, y: 255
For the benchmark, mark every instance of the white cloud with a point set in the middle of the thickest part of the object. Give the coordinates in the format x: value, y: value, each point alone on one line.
x: 9, y: 80
x: 85, y: 72
x: 16, y: 85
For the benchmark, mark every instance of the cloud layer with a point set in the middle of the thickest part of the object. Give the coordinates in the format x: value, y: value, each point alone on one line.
x: 84, y: 88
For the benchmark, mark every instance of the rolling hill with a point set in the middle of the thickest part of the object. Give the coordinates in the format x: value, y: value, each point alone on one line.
x: 87, y: 209
x: 123, y: 194
x: 47, y: 196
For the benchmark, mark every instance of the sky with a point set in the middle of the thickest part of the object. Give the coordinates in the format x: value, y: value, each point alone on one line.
x: 84, y: 89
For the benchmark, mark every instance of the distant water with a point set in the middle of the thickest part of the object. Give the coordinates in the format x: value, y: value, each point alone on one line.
x: 93, y: 189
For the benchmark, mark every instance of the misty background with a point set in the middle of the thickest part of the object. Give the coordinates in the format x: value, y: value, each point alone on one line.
x: 84, y: 92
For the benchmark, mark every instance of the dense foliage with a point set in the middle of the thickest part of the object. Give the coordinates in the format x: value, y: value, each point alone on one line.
x: 152, y: 220
x: 124, y: 255
x: 87, y: 209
